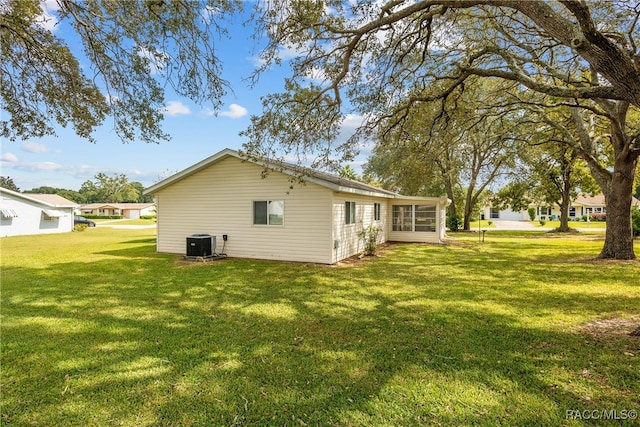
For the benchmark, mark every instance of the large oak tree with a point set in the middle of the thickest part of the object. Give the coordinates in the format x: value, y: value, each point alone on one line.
x: 473, y: 140
x: 385, y: 58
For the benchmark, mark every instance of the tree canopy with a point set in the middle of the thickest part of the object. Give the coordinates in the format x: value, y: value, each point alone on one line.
x: 135, y: 50
x: 111, y: 189
x: 7, y: 182
x: 384, y: 58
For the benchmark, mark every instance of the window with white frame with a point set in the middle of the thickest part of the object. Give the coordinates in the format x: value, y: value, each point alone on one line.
x: 376, y: 212
x: 349, y: 212
x: 268, y: 212
x: 572, y: 212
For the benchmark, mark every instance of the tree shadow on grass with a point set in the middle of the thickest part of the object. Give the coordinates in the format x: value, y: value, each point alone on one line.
x: 151, y: 342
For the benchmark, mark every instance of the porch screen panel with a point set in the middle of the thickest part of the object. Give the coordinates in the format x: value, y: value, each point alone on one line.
x: 425, y: 218
x: 402, y: 218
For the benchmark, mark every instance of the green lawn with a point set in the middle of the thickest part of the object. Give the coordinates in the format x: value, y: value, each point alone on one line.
x: 595, y: 225
x: 99, y: 330
x: 125, y: 221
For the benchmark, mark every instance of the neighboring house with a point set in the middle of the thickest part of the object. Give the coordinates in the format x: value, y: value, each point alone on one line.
x: 276, y: 217
x: 25, y: 213
x: 583, y: 205
x: 126, y: 210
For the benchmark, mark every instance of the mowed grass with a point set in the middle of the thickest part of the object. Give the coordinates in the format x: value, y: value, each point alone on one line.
x: 595, y: 225
x: 98, y: 329
x: 124, y: 221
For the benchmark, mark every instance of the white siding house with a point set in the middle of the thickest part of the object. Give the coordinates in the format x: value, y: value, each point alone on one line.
x: 276, y: 217
x: 22, y: 214
x: 582, y: 206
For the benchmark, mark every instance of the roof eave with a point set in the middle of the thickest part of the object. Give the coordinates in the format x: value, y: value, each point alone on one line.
x: 42, y: 202
x: 428, y: 198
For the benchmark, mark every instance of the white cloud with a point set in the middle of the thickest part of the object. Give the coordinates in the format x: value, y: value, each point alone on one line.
x: 235, y: 111
x: 352, y: 122
x: 43, y: 166
x: 157, y: 60
x: 31, y: 166
x: 9, y: 157
x: 34, y: 147
x: 176, y: 108
x: 47, y: 18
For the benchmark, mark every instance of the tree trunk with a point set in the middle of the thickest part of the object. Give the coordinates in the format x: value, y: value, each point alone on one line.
x: 468, y: 207
x: 565, y: 200
x: 564, y: 214
x: 466, y: 222
x: 618, y: 242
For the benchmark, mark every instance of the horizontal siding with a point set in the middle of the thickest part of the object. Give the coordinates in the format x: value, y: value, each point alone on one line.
x: 347, y: 234
x: 219, y: 200
x: 413, y: 236
x: 30, y: 219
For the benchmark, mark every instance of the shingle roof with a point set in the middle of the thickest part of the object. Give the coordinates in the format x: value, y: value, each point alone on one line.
x: 598, y: 200
x: 51, y: 200
x: 305, y: 172
x: 587, y: 200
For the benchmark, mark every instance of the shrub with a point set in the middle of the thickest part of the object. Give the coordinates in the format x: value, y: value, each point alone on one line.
x: 453, y: 222
x: 542, y: 222
x: 147, y: 217
x: 532, y: 213
x: 543, y: 218
x: 80, y: 227
x: 635, y: 221
x: 599, y: 216
x: 370, y: 237
x: 490, y: 223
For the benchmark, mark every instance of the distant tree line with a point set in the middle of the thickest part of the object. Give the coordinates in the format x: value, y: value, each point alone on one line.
x: 103, y: 189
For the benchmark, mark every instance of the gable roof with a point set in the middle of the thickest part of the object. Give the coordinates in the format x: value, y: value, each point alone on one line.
x: 333, y: 182
x: 588, y: 200
x: 598, y: 200
x: 50, y: 200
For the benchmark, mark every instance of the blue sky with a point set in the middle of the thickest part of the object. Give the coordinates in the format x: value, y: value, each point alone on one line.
x: 66, y: 160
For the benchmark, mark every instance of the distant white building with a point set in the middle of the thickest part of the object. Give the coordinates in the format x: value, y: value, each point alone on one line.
x: 583, y: 205
x: 22, y: 214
